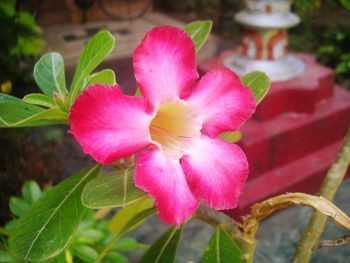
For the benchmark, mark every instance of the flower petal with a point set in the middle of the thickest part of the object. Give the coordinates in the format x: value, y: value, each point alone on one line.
x: 216, y: 172
x: 164, y: 179
x: 164, y: 64
x: 222, y: 101
x: 108, y: 124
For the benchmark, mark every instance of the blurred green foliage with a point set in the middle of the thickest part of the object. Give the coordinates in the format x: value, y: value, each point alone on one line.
x: 303, y: 7
x: 325, y: 31
x: 20, y: 44
x: 335, y: 52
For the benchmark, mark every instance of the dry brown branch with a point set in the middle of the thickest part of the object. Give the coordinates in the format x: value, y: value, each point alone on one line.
x: 340, y: 241
x: 269, y: 206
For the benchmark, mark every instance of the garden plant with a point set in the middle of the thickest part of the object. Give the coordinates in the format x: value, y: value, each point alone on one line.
x: 92, y: 231
x: 169, y: 150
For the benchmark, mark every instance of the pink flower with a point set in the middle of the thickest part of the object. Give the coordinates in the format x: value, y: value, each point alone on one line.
x: 174, y: 128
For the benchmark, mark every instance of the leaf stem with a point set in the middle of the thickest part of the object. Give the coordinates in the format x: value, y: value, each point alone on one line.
x: 329, y: 187
x: 108, y: 248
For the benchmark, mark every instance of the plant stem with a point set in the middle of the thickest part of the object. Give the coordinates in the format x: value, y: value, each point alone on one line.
x: 107, y: 249
x: 328, y: 189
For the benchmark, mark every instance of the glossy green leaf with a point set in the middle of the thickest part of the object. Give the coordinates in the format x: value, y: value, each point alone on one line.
x: 85, y: 253
x: 49, y: 74
x: 222, y: 249
x: 46, y: 228
x: 199, y: 31
x: 39, y: 99
x: 231, y: 137
x: 31, y: 191
x: 111, y: 190
x: 122, y: 217
x: 95, y: 51
x: 105, y: 76
x: 16, y: 113
x: 18, y: 206
x: 258, y: 82
x: 164, y: 249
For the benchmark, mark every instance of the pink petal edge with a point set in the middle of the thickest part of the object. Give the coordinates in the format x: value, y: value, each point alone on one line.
x: 164, y: 180
x: 216, y: 172
x: 222, y: 101
x: 108, y: 124
x: 164, y: 64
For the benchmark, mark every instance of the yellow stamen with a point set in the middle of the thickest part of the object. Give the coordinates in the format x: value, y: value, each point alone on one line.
x: 173, y: 127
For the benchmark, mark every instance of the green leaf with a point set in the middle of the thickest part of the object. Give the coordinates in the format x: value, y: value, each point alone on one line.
x: 164, y: 249
x: 18, y: 206
x: 85, y: 253
x: 85, y: 224
x: 135, y: 221
x: 31, y: 191
x: 5, y: 256
x: 126, y: 244
x: 3, y: 231
x: 258, y: 83
x: 105, y: 76
x: 123, y: 216
x: 11, y: 226
x: 68, y: 256
x: 46, y: 228
x: 61, y: 258
x: 131, y: 224
x: 222, y: 249
x: 199, y: 32
x: 90, y: 236
x: 16, y: 113
x: 49, y: 75
x: 117, y: 257
x: 110, y: 241
x: 345, y: 3
x: 39, y: 99
x: 231, y: 137
x: 111, y: 190
x: 95, y: 51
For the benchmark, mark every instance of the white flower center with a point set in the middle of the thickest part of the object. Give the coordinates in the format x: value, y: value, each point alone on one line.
x: 173, y: 127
